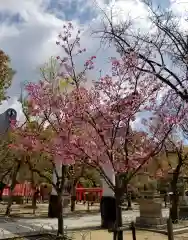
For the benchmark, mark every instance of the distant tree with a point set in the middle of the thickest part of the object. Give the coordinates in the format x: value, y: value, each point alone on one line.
x: 81, y: 173
x: 161, y: 50
x: 177, y: 170
x: 6, y: 75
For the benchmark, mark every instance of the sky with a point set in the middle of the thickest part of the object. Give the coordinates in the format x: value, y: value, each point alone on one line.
x: 29, y: 29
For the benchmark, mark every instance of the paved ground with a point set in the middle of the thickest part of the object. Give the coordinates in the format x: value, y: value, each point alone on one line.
x: 100, y: 234
x: 25, y: 210
x: 183, y: 236
x: 22, y: 225
x: 140, y: 235
x: 42, y: 208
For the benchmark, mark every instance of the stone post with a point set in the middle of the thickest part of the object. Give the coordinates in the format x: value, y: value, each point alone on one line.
x: 108, y: 204
x: 150, y: 211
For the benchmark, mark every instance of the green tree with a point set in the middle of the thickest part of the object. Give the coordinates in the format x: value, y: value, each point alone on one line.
x: 6, y: 75
x: 84, y: 174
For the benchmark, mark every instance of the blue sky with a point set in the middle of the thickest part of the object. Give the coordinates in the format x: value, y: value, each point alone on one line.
x: 28, y: 31
x: 69, y: 10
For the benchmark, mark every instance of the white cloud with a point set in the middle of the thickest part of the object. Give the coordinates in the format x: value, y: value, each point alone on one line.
x: 179, y: 6
x: 180, y: 9
x: 123, y: 10
x: 31, y: 41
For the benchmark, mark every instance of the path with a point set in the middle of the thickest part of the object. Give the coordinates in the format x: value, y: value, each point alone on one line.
x: 140, y: 235
x: 19, y: 225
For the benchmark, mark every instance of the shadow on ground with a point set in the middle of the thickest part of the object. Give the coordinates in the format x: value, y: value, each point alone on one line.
x: 45, y: 215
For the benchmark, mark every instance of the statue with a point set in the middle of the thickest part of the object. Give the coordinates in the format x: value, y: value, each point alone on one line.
x: 9, y: 114
x: 5, y: 120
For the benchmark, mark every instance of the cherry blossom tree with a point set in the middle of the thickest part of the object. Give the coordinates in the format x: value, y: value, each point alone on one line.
x: 176, y: 110
x: 177, y: 170
x: 95, y: 125
x: 161, y: 46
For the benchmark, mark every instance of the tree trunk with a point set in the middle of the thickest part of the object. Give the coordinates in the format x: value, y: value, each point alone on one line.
x: 14, y: 176
x: 60, y: 189
x: 175, y: 208
x: 73, y: 198
x: 118, y: 196
x: 129, y: 202
x: 34, y: 200
x: 2, y: 186
x: 53, y: 206
x: 53, y: 210
x: 175, y: 197
x: 60, y: 216
x: 119, y: 234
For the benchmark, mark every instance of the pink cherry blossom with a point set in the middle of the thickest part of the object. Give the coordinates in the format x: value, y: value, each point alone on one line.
x: 94, y: 125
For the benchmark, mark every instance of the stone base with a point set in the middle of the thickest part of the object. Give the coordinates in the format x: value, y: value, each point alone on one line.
x: 108, y: 211
x: 53, y: 207
x: 151, y: 222
x: 53, y: 210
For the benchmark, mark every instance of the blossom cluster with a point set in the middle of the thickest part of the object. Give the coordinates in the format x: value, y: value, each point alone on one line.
x: 94, y: 125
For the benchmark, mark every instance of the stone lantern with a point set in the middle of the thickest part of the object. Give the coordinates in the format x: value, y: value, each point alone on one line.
x: 150, y: 208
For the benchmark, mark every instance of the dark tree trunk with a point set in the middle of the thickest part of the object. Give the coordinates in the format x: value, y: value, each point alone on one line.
x: 34, y: 200
x: 53, y: 206
x: 174, y: 212
x: 60, y: 189
x: 73, y: 199
x: 129, y: 202
x: 118, y: 196
x: 119, y: 234
x: 165, y: 200
x: 60, y: 215
x: 2, y: 186
x: 14, y: 176
x: 108, y: 211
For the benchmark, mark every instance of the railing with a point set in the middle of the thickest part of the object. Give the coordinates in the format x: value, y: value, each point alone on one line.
x: 22, y: 190
x: 81, y: 193
x: 25, y: 190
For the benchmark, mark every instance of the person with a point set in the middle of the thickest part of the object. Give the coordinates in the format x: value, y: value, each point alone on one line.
x: 2, y: 186
x: 35, y: 197
x: 43, y: 191
x: 165, y: 198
